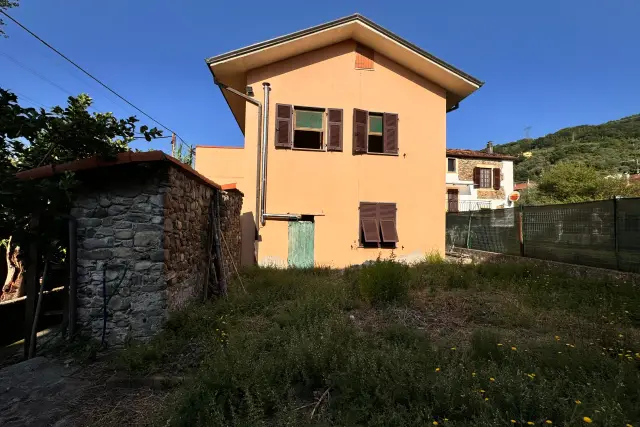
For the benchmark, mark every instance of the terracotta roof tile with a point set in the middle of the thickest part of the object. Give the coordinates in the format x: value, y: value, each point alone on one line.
x: 473, y: 154
x: 121, y: 159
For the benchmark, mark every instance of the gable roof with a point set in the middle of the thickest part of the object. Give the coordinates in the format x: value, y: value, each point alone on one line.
x: 473, y: 154
x: 230, y: 68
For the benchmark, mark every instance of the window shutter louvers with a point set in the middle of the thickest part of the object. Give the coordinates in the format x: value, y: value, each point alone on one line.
x: 334, y: 129
x: 476, y: 177
x: 496, y: 178
x: 390, y: 133
x: 360, y: 131
x: 284, y: 128
x: 369, y: 222
x: 387, y: 218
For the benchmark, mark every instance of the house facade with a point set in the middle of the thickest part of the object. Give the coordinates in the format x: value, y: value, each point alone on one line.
x: 478, y: 180
x: 345, y: 129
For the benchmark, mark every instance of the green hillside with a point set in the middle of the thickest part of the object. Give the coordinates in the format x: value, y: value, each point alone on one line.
x: 611, y: 147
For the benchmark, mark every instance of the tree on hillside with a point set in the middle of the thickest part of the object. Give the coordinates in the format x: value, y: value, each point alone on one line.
x: 611, y: 148
x: 569, y: 182
x: 30, y: 138
x: 6, y: 4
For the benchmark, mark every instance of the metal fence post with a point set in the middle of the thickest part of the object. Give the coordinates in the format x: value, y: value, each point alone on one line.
x: 521, y: 230
x: 469, y: 229
x: 615, y: 231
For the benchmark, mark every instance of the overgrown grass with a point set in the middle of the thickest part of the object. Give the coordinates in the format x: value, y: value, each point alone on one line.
x: 459, y: 345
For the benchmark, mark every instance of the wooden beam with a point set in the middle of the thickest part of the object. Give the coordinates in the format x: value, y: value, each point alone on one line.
x: 31, y: 286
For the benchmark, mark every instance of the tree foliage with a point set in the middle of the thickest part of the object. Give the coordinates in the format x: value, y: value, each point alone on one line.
x: 31, y: 138
x: 611, y: 148
x: 6, y: 4
x: 569, y: 182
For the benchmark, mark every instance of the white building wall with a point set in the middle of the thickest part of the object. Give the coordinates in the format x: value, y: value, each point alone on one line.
x: 468, y: 195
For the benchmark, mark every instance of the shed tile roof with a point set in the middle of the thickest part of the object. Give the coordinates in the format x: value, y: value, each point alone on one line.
x: 121, y: 159
x: 473, y: 154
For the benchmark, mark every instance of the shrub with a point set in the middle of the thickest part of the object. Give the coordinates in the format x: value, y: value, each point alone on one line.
x: 383, y: 282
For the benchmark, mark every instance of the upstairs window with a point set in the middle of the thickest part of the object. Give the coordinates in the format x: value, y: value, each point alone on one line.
x: 304, y: 128
x: 451, y: 165
x: 377, y: 228
x: 308, y: 128
x: 486, y: 178
x: 375, y: 133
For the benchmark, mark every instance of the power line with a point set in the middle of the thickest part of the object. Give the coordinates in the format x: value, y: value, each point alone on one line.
x: 87, y: 73
x: 35, y: 73
x: 33, y: 101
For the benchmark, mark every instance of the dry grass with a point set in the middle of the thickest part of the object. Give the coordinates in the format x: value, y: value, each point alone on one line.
x: 303, y: 348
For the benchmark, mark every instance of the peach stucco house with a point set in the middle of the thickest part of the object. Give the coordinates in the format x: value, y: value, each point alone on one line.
x: 345, y: 136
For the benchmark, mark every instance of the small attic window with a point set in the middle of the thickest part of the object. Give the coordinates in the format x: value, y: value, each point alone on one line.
x: 364, y: 58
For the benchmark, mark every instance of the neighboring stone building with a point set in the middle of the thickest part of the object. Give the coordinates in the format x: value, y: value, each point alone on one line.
x: 145, y: 233
x: 478, y: 180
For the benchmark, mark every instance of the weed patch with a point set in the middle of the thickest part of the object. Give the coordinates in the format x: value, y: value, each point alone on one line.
x: 390, y: 345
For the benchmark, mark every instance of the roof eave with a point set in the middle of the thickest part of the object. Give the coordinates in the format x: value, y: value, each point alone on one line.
x: 225, y: 98
x: 351, y: 18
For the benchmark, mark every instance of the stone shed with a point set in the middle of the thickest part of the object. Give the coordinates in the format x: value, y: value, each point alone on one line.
x: 147, y: 241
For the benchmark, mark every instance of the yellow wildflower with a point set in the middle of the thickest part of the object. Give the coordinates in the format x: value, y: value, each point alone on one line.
x: 513, y: 421
x: 486, y: 399
x: 492, y: 379
x: 513, y: 348
x: 435, y: 423
x: 446, y: 419
x: 530, y: 423
x: 473, y: 374
x: 437, y: 369
x: 499, y: 344
x: 578, y: 402
x: 587, y: 420
x: 548, y: 422
x: 481, y: 391
x: 557, y: 338
x: 628, y: 425
x: 453, y: 348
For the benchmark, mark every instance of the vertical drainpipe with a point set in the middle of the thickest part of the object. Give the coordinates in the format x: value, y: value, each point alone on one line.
x: 263, y: 170
x: 257, y: 103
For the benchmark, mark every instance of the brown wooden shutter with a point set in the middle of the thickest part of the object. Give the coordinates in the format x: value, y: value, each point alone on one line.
x: 390, y: 133
x: 334, y: 129
x: 360, y: 131
x: 387, y: 219
x: 496, y: 178
x: 476, y: 177
x: 369, y: 224
x: 284, y: 128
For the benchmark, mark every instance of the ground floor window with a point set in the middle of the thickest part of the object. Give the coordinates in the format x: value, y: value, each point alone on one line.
x: 378, y: 225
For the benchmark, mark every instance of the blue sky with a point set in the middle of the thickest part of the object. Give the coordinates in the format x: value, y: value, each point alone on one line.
x: 546, y: 64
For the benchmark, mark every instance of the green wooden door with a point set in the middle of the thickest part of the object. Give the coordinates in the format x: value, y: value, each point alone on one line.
x: 301, y: 244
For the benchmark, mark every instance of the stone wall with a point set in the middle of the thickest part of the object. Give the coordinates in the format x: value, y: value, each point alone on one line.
x: 574, y: 270
x: 120, y: 212
x: 186, y: 226
x: 231, y: 230
x: 465, y: 173
x: 142, y: 231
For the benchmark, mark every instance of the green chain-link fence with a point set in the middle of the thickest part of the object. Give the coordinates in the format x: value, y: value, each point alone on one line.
x: 599, y: 234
